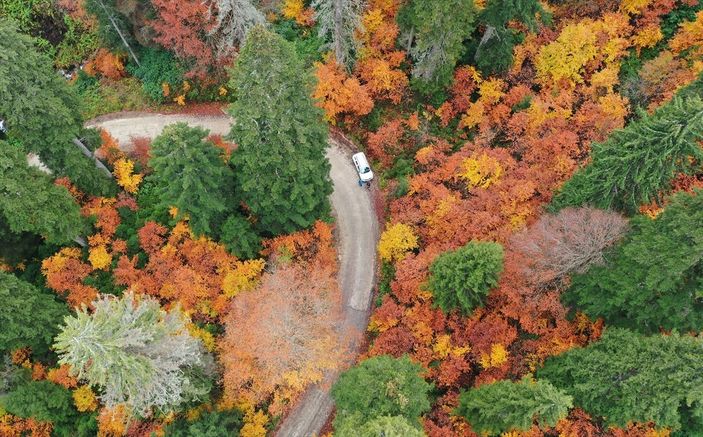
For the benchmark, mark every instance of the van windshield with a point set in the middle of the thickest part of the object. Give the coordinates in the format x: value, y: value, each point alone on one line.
x: 365, y: 170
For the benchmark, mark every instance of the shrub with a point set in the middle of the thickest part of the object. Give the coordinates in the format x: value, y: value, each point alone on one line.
x: 158, y: 67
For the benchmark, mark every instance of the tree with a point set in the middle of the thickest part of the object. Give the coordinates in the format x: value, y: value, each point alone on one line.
x: 636, y: 165
x: 339, y: 21
x: 48, y: 402
x: 494, y: 53
x: 139, y: 354
x: 568, y: 242
x: 189, y: 173
x: 653, y: 278
x: 436, y: 31
x: 507, y: 406
x: 282, y: 136
x: 396, y: 241
x: 382, y: 386
x: 209, y: 424
x: 291, y: 341
x: 625, y: 377
x: 388, y: 426
x: 114, y: 27
x: 461, y: 279
x: 41, y: 111
x: 30, y: 202
x: 238, y: 235
x: 28, y: 316
x: 234, y: 20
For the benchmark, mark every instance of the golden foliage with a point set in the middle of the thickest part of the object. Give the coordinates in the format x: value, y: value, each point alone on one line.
x: 482, y: 171
x: 396, y: 241
x: 243, y: 277
x: 254, y: 424
x: 126, y: 178
x: 112, y: 422
x: 99, y: 257
x: 84, y: 399
x: 497, y: 357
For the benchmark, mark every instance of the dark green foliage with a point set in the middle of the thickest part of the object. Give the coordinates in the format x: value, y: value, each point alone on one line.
x: 494, y: 53
x: 308, y: 44
x: 28, y: 316
x: 157, y: 67
x: 16, y: 247
x: 108, y: 16
x: 210, y: 424
x: 461, y: 279
x: 385, y: 426
x: 384, y: 283
x: 655, y: 277
x: 238, y: 235
x: 637, y: 163
x: 46, y: 401
x: 625, y: 377
x: 280, y: 164
x: 382, y: 386
x: 436, y: 37
x: 505, y: 406
x: 30, y: 202
x: 40, y: 111
x: 189, y: 173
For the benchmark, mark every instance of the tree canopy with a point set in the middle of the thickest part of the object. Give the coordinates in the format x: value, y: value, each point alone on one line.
x: 280, y: 163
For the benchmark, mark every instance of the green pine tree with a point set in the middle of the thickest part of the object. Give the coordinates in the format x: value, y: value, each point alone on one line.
x: 505, y: 406
x: 626, y: 377
x: 30, y: 202
x: 461, y: 279
x: 41, y: 111
x: 189, y: 173
x: 28, y: 316
x: 636, y: 164
x: 280, y: 163
x: 654, y: 279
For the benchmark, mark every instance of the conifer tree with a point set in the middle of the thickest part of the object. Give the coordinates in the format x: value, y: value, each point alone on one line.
x: 653, y: 279
x: 506, y: 406
x: 636, y: 164
x: 625, y: 377
x: 41, y: 111
x: 234, y: 20
x: 280, y: 164
x: 339, y: 20
x: 30, y: 202
x: 189, y: 173
x: 28, y: 317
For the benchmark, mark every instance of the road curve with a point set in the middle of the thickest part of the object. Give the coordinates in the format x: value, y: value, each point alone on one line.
x: 357, y: 231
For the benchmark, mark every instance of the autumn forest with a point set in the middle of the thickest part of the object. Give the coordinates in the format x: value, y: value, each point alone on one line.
x: 187, y: 247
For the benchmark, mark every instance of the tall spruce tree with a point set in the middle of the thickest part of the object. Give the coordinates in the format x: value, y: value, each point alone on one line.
x: 190, y: 174
x: 435, y: 32
x: 338, y: 21
x: 635, y: 165
x: 28, y: 316
x: 654, y: 279
x: 31, y: 203
x: 280, y: 164
x: 506, y: 406
x: 40, y: 111
x: 626, y: 377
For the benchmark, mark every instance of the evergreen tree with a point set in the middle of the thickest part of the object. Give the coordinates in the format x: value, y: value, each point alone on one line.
x: 338, y: 21
x: 655, y: 277
x: 28, y: 317
x: 234, y: 20
x: 239, y: 237
x: 625, y: 377
x: 461, y: 279
x: 30, y: 202
x: 280, y: 164
x: 381, y: 386
x: 387, y: 426
x: 141, y: 355
x: 507, y: 406
x: 436, y: 31
x: 47, y: 402
x: 494, y: 53
x: 189, y: 173
x: 636, y: 164
x: 40, y: 111
x: 209, y: 424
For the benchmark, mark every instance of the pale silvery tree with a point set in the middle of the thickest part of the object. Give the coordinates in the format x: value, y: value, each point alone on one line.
x: 234, y: 19
x: 138, y: 354
x: 339, y: 20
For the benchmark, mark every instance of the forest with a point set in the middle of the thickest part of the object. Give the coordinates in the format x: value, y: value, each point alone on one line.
x: 538, y: 268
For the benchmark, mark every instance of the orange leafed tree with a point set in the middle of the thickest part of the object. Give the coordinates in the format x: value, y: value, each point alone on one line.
x: 338, y: 93
x: 282, y: 336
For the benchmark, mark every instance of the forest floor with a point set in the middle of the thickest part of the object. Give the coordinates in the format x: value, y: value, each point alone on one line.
x: 357, y: 231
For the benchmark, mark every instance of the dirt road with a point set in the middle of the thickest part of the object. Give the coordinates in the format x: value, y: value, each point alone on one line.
x: 358, y: 235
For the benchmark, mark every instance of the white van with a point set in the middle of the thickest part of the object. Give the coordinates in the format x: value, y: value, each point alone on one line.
x: 362, y: 167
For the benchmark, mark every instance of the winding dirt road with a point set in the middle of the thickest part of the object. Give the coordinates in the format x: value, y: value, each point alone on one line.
x: 356, y: 227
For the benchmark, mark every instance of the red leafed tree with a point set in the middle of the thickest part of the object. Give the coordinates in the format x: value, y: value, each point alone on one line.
x: 567, y: 242
x: 181, y: 26
x: 282, y: 336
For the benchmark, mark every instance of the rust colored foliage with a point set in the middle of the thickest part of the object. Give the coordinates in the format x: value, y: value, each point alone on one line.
x: 141, y: 152
x: 65, y: 273
x: 338, y: 94
x: 12, y: 426
x: 106, y: 64
x: 109, y: 149
x: 282, y: 336
x: 181, y: 26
